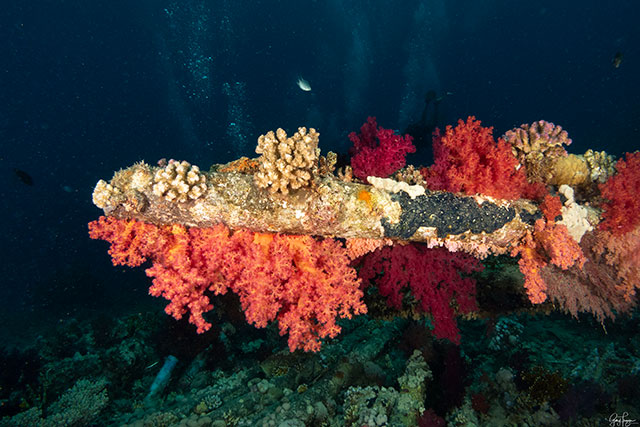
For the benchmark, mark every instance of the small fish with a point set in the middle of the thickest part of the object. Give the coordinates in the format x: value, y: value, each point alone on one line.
x: 617, y: 59
x: 304, y: 85
x: 23, y: 176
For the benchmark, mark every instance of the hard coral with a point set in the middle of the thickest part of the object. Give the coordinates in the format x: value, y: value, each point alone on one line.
x: 537, y: 146
x: 179, y: 181
x: 601, y: 165
x: 287, y: 163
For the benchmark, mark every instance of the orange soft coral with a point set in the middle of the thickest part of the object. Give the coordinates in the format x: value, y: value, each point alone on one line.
x: 131, y: 241
x: 558, y: 244
x: 551, y: 207
x: 531, y: 264
x: 303, y: 283
x: 550, y: 242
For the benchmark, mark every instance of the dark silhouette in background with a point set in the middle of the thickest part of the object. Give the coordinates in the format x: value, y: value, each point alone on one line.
x: 422, y: 130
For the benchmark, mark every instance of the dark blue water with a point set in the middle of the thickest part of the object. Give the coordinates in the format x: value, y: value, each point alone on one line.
x: 89, y: 87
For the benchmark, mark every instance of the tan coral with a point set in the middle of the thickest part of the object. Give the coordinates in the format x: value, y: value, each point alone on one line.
x: 179, y: 181
x: 287, y: 163
x: 411, y: 176
x: 126, y: 188
x: 327, y: 165
x: 537, y: 147
x: 601, y: 165
x: 105, y: 194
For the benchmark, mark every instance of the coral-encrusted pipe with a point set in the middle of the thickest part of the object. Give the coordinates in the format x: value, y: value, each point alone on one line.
x: 329, y: 207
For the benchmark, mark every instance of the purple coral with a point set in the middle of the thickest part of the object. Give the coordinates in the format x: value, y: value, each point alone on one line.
x: 539, y: 136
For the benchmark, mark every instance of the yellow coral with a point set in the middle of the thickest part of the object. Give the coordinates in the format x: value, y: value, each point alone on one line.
x: 601, y: 165
x: 570, y: 170
x: 286, y: 163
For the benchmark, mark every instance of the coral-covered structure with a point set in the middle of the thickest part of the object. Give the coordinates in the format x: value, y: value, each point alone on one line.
x: 265, y: 229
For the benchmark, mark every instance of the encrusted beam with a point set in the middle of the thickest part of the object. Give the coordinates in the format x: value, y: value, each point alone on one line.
x: 181, y: 194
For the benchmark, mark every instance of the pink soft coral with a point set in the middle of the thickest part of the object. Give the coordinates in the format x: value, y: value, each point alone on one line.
x: 303, y: 283
x: 467, y: 159
x: 377, y: 151
x: 549, y: 243
x: 434, y: 277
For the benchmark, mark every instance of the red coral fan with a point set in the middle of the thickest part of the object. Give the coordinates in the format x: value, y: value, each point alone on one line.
x: 600, y: 275
x: 434, y: 277
x: 622, y: 209
x: 301, y: 282
x: 377, y: 151
x: 469, y: 160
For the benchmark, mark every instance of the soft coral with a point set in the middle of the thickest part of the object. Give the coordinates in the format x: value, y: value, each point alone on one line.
x: 469, y: 160
x: 622, y: 209
x: 377, y: 151
x: 434, y: 277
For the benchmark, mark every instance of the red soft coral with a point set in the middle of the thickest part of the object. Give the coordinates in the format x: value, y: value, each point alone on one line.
x: 622, y: 191
x: 467, y: 159
x: 377, y: 151
x: 303, y: 283
x: 434, y: 277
